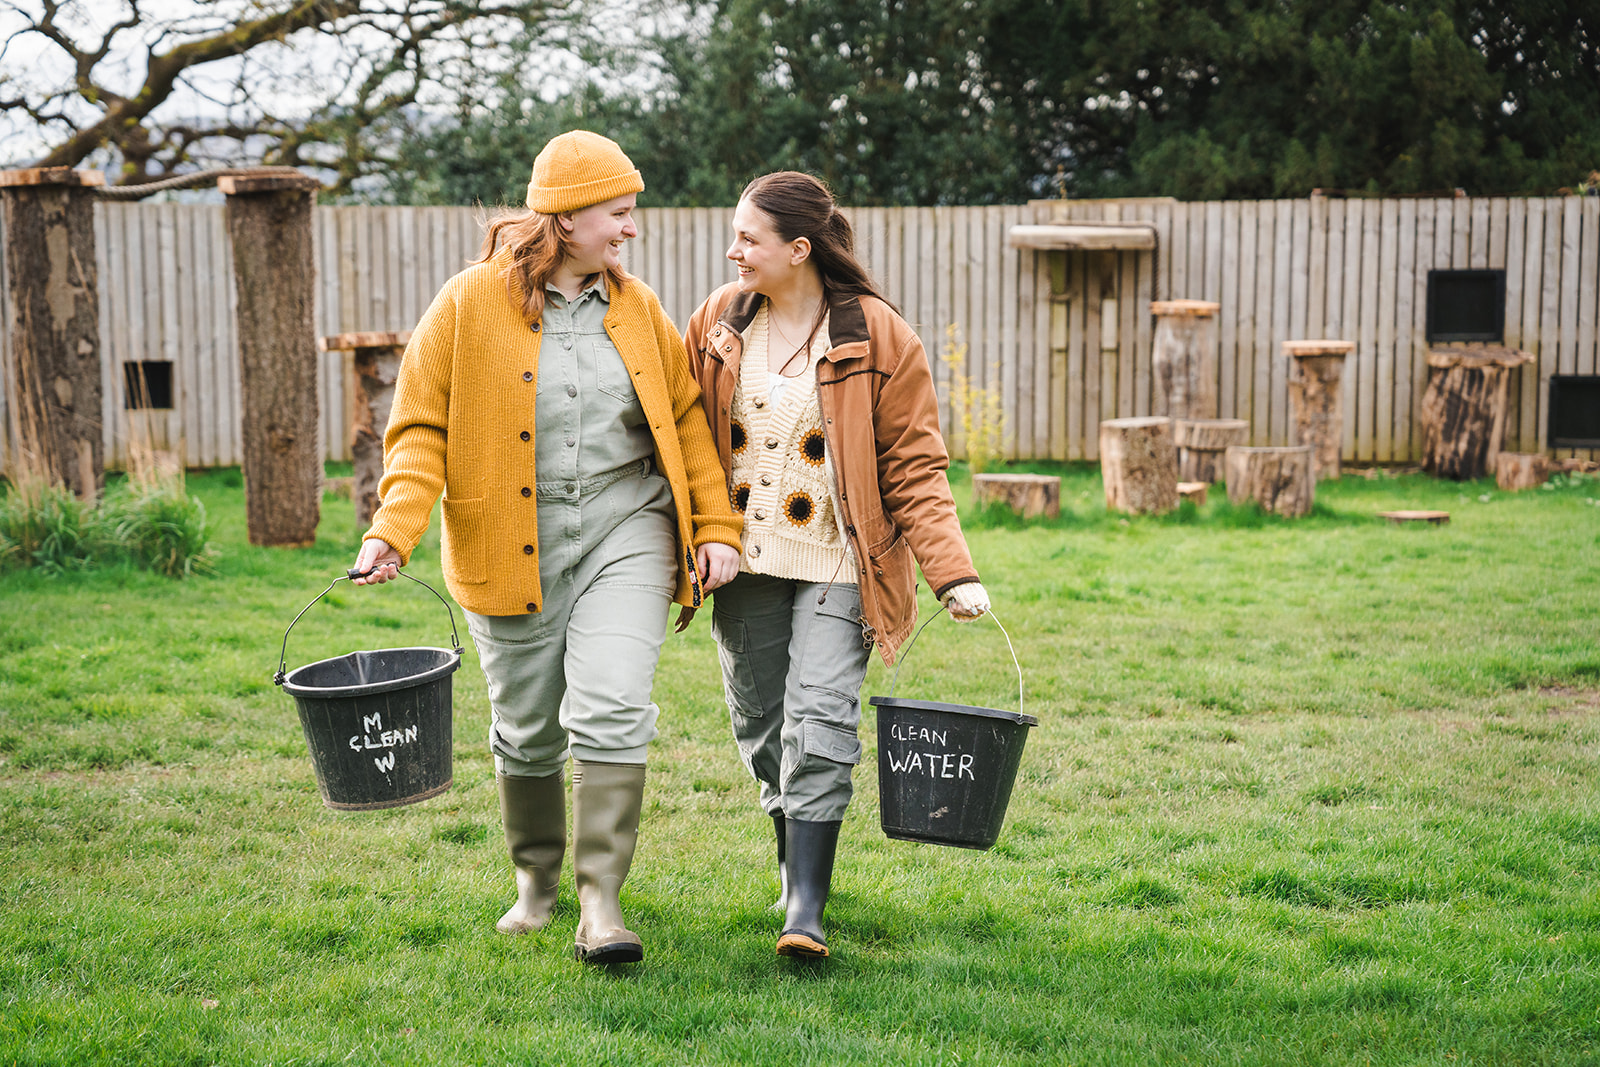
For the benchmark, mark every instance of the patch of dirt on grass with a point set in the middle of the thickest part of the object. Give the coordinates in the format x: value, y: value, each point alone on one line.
x: 1571, y: 700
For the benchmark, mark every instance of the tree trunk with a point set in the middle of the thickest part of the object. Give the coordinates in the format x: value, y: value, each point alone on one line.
x: 1139, y: 465
x: 269, y: 222
x: 1279, y: 479
x: 377, y: 363
x: 1184, y: 359
x: 1028, y: 495
x: 57, y: 426
x: 1464, y: 408
x: 1316, y: 400
x: 1201, y: 443
x: 1521, y: 470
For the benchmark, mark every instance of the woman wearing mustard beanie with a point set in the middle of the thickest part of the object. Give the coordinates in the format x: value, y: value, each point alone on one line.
x: 547, y: 395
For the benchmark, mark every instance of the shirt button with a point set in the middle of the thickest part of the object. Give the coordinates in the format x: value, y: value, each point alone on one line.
x: 532, y: 607
x: 572, y: 487
x: 755, y: 551
x: 566, y: 342
x: 760, y: 515
x: 527, y: 375
x: 572, y: 390
x: 526, y: 491
x: 527, y: 550
x: 761, y: 403
x: 535, y: 330
x: 772, y: 442
x: 765, y: 480
x: 571, y: 440
x: 524, y: 435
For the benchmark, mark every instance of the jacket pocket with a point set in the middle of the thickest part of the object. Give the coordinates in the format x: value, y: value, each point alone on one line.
x: 466, y: 540
x: 893, y: 578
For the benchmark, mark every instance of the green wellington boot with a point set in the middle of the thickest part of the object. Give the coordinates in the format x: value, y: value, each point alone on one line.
x: 534, y: 811
x: 606, y: 798
x: 810, y: 847
x: 782, y: 903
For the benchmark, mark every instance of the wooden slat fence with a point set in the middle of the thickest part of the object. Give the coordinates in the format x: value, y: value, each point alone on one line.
x: 1065, y: 337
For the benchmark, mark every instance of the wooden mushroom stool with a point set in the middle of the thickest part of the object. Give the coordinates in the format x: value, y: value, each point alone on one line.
x: 1139, y: 465
x: 1464, y: 408
x: 1279, y: 479
x: 1521, y: 470
x: 1184, y: 359
x: 1316, y: 399
x: 1029, y: 495
x: 1201, y: 443
x: 377, y: 362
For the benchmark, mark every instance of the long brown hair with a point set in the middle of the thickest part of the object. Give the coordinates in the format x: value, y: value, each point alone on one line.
x: 538, y: 246
x: 802, y: 206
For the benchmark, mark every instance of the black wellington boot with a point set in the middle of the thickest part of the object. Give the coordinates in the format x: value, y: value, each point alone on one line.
x: 782, y: 902
x: 810, y: 848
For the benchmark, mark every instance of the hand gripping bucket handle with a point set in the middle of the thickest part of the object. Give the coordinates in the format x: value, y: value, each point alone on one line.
x: 455, y: 640
x: 894, y: 682
x: 945, y: 771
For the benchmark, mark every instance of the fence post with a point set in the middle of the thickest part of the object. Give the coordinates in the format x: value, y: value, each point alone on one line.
x: 269, y: 222
x: 56, y: 424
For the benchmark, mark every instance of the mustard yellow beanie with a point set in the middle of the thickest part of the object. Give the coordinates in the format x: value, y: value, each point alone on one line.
x: 580, y: 168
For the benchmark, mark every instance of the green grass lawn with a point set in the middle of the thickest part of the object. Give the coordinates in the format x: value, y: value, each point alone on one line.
x: 1315, y: 792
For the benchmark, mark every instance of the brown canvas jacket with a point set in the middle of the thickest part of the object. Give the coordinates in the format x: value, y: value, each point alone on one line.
x: 881, y: 418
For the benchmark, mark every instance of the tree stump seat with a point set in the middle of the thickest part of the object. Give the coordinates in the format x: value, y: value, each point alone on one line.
x: 377, y: 364
x: 1029, y: 495
x: 1316, y: 399
x: 1514, y: 471
x: 1201, y: 444
x: 1139, y: 465
x: 1278, y: 478
x: 1464, y: 408
x: 1183, y: 359
x: 1193, y: 491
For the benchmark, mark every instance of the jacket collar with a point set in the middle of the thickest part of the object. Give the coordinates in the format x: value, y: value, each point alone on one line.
x: 847, y: 322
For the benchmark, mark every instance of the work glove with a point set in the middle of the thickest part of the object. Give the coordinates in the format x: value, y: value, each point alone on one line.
x: 967, y: 601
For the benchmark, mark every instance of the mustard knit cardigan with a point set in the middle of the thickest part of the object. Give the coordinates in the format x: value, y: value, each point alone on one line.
x: 462, y: 424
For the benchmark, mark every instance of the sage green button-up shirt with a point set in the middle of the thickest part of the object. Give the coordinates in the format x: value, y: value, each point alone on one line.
x: 587, y: 417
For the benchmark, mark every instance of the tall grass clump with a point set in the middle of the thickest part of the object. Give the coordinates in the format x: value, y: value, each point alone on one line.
x: 977, y: 411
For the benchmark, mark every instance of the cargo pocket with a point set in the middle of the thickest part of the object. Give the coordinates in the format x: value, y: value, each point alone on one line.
x: 466, y: 540
x: 738, y: 675
x: 834, y: 658
x: 822, y: 741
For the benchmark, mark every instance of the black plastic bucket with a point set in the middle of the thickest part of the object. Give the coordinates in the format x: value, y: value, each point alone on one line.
x: 946, y: 771
x: 378, y: 723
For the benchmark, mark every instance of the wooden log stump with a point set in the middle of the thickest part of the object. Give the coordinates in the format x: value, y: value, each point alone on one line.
x: 1279, y: 479
x: 1139, y: 465
x: 1521, y: 470
x: 57, y: 425
x: 1029, y: 495
x: 1400, y: 518
x: 1184, y: 359
x: 1195, y: 491
x: 377, y: 364
x: 1464, y: 408
x: 1316, y: 400
x: 1201, y: 443
x: 269, y: 221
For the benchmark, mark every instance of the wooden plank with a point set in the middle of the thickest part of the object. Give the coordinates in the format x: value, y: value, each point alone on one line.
x: 960, y: 300
x: 196, y: 394
x: 1228, y: 314
x: 1414, y: 350
x: 996, y: 375
x: 1383, y: 403
x: 1481, y: 233
x: 1196, y: 271
x: 1211, y: 283
x: 1127, y: 267
x: 1078, y: 420
x: 1299, y: 276
x: 1177, y: 262
x: 1092, y: 410
x: 1405, y: 287
x: 1008, y: 356
x: 1277, y: 370
x: 1141, y: 264
x: 1354, y: 222
x: 1162, y: 214
x: 1317, y: 269
x: 1549, y: 344
x: 1571, y: 236
x: 1461, y: 234
x: 109, y: 395
x: 1523, y: 385
x: 1244, y: 356
x: 1588, y: 269
x: 1334, y: 323
x: 942, y: 267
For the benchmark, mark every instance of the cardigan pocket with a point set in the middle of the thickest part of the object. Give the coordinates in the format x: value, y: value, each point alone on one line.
x: 466, y: 540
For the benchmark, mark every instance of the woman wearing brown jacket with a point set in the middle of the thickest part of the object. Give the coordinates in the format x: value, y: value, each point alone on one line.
x: 821, y: 402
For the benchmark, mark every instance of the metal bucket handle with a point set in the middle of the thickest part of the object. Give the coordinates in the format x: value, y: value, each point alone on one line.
x: 894, y: 682
x: 455, y: 640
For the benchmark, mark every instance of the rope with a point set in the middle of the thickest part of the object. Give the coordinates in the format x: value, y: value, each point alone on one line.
x: 187, y: 181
